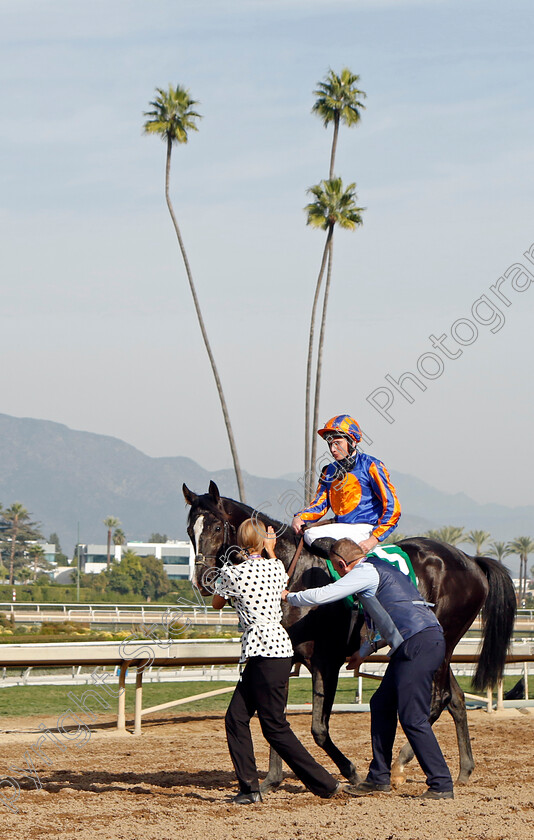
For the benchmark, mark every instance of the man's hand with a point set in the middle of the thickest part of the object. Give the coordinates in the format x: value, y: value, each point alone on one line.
x: 297, y: 524
x: 368, y: 544
x: 354, y: 663
x: 284, y: 594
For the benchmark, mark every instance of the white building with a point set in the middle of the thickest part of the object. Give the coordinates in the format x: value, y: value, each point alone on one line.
x: 177, y: 556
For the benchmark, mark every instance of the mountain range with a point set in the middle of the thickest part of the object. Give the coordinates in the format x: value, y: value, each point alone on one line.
x: 71, y: 480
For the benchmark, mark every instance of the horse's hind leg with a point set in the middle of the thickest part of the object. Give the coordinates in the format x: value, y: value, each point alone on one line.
x: 441, y: 694
x: 459, y: 714
x: 324, y: 691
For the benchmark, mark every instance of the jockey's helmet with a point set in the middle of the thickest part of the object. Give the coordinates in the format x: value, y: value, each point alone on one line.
x: 342, y: 426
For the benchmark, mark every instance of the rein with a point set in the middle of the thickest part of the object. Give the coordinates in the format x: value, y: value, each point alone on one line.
x: 298, y: 552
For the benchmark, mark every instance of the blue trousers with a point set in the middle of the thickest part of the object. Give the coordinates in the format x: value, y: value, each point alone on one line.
x: 405, y: 693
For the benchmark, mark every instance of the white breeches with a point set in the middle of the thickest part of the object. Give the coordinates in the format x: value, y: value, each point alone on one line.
x: 338, y: 530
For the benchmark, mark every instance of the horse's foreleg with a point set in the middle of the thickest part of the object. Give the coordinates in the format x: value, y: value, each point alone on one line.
x: 324, y: 691
x: 275, y: 774
x: 459, y: 714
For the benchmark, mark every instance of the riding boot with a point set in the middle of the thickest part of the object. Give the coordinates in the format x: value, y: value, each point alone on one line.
x: 321, y: 547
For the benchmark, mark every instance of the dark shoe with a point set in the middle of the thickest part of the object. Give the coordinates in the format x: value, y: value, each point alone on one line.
x: 247, y: 798
x: 436, y: 794
x: 366, y: 787
x: 338, y: 791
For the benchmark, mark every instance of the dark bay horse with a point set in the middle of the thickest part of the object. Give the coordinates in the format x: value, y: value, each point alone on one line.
x: 459, y: 585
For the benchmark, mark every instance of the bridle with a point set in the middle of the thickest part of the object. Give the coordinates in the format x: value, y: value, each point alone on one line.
x: 228, y: 527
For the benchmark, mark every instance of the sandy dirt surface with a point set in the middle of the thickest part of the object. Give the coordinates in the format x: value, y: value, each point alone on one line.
x: 176, y: 780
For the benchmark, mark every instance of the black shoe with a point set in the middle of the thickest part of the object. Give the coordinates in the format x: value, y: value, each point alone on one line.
x: 338, y: 791
x: 436, y: 794
x: 247, y: 798
x: 366, y: 787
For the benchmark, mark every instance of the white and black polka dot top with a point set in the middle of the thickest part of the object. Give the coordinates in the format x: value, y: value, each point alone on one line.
x: 255, y: 586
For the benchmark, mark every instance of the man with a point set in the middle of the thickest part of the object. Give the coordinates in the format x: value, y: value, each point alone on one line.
x: 393, y: 607
x: 357, y: 488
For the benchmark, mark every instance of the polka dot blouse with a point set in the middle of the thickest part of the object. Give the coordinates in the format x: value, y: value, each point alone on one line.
x: 255, y: 586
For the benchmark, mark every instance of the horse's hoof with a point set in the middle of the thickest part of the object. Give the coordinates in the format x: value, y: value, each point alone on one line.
x: 397, y: 777
x: 269, y: 787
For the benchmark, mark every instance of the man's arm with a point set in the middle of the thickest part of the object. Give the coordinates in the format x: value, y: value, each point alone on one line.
x: 316, y: 509
x: 363, y: 578
x: 385, y: 491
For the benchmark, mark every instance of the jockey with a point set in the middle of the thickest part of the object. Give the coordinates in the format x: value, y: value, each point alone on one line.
x: 357, y: 488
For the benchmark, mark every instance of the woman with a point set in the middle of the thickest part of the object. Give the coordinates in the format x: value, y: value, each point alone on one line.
x: 255, y: 585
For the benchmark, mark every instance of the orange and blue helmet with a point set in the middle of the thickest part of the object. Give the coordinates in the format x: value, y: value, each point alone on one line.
x: 342, y: 425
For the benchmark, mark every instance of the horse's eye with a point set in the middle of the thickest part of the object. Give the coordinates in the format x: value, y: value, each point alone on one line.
x: 217, y: 528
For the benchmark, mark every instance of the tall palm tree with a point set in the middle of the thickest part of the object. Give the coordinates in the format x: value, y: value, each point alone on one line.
x: 172, y: 117
x: 478, y: 539
x: 110, y: 522
x: 332, y: 205
x: 499, y: 550
x: 338, y: 101
x: 451, y: 534
x: 523, y: 546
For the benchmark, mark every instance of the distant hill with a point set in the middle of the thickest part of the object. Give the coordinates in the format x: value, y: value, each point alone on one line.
x: 65, y: 477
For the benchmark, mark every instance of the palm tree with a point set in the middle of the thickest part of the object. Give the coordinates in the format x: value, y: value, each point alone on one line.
x: 500, y: 550
x: 172, y: 117
x: 338, y: 100
x: 451, y: 534
x: 333, y: 205
x: 523, y: 546
x: 478, y: 539
x: 119, y: 537
x: 16, y: 516
x: 110, y: 522
x: 37, y: 556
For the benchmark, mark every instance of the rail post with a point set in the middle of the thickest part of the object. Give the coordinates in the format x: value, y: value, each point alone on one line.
x: 121, y: 705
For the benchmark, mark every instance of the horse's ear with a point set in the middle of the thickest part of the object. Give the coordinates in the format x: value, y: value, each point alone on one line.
x: 189, y: 496
x: 214, y: 492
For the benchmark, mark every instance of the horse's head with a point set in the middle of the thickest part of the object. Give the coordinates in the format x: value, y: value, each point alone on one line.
x: 212, y: 530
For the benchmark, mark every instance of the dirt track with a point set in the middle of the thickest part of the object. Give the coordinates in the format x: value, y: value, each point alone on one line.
x: 175, y: 781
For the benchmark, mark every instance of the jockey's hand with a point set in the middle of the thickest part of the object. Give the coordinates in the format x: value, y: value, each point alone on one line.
x: 354, y: 662
x: 269, y: 543
x: 368, y: 544
x: 297, y: 524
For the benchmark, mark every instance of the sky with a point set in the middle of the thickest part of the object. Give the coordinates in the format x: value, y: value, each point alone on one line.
x: 98, y: 329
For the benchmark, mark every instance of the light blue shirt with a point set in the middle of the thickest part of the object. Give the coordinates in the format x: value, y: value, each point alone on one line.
x: 362, y: 579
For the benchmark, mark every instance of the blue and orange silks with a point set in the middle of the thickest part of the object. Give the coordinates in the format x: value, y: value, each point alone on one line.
x: 363, y: 494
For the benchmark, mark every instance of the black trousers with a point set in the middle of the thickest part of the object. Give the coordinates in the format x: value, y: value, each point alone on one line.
x: 263, y: 689
x: 406, y: 691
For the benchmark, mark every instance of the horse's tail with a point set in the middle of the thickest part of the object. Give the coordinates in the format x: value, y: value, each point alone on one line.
x: 498, y: 616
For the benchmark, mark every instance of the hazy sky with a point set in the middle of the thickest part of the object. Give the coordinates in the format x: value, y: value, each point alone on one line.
x: 98, y: 329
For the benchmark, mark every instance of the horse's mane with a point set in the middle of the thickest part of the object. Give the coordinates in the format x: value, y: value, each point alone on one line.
x: 206, y: 502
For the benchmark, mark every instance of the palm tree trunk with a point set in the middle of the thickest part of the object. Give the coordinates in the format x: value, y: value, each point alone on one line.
x: 109, y: 549
x: 334, y: 145
x: 308, y: 464
x: 317, y: 394
x: 12, y: 552
x: 237, y: 468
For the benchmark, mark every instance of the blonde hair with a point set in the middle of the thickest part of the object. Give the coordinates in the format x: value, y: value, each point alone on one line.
x: 250, y: 536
